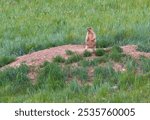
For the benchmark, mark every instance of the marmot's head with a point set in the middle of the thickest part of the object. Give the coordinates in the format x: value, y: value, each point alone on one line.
x: 90, y: 29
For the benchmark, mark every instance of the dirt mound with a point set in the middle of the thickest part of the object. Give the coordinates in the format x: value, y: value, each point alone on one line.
x: 35, y: 59
x: 132, y: 51
x: 39, y: 57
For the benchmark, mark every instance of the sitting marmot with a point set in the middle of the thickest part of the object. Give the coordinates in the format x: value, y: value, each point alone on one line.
x: 90, y: 40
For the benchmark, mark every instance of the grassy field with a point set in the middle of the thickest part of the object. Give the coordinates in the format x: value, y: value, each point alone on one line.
x: 27, y: 26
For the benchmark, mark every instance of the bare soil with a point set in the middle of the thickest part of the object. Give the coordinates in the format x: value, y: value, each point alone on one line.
x: 39, y: 57
x: 132, y: 51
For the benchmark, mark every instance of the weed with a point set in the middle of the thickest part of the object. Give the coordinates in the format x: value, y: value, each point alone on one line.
x: 101, y: 59
x: 127, y: 80
x: 97, y: 61
x: 94, y: 62
x: 74, y: 86
x: 51, y: 76
x: 99, y: 52
x: 103, y: 43
x: 145, y: 64
x: 76, y: 72
x: 69, y: 52
x: 87, y: 53
x: 84, y: 63
x: 146, y: 76
x: 86, y: 89
x: 74, y: 58
x: 58, y: 59
x: 16, y: 79
x: 120, y: 36
x: 105, y: 75
x: 116, y: 53
x: 115, y: 56
x: 103, y: 91
x: 4, y: 60
x: 143, y: 48
x: 80, y: 73
x: 116, y: 48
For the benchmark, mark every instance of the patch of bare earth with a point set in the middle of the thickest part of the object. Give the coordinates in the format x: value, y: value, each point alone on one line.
x: 132, y: 51
x: 36, y: 59
x: 39, y: 57
x: 118, y: 67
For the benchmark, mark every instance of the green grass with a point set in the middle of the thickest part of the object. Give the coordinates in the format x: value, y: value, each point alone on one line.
x: 145, y: 65
x: 59, y: 59
x: 51, y: 77
x: 117, y: 49
x: 69, y: 52
x: 87, y: 53
x: 94, y: 62
x: 80, y: 73
x: 105, y: 75
x: 116, y: 54
x: 74, y: 86
x: 87, y: 63
x: 108, y: 85
x: 4, y: 60
x: 14, y: 83
x: 74, y: 58
x: 104, y: 43
x: 28, y: 26
x: 99, y: 52
x: 143, y: 48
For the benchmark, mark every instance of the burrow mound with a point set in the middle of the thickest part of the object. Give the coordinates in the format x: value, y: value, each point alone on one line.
x: 35, y: 59
x: 39, y: 57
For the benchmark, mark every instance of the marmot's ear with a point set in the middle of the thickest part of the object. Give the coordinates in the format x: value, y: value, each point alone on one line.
x: 89, y: 28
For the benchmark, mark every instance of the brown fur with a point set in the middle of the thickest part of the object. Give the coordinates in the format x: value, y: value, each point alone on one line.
x: 90, y: 40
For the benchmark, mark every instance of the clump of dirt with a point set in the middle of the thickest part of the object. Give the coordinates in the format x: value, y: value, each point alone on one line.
x: 132, y: 51
x: 39, y: 57
x: 118, y: 67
